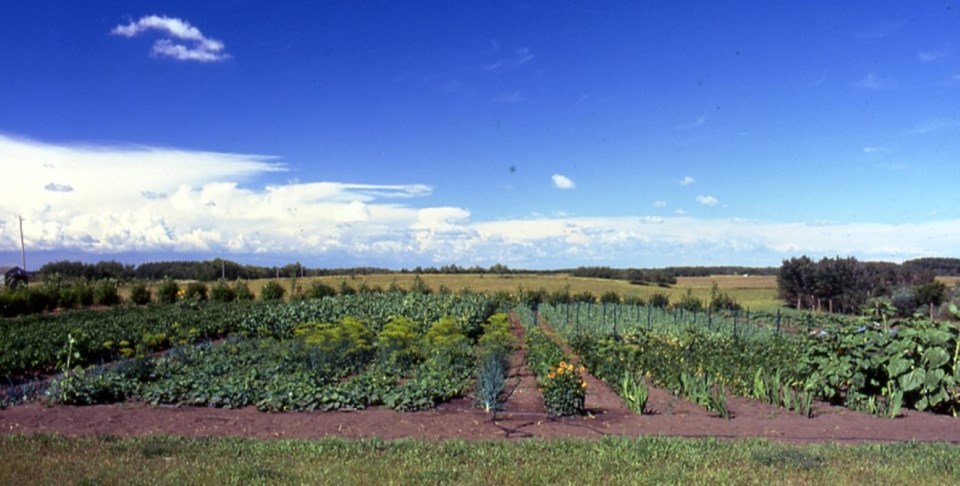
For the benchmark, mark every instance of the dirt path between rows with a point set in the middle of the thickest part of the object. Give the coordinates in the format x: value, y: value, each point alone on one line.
x: 523, y: 417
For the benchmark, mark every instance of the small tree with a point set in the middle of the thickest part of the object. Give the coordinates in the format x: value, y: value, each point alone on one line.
x: 272, y: 291
x: 167, y: 291
x: 140, y: 294
x: 242, y: 290
x: 196, y: 291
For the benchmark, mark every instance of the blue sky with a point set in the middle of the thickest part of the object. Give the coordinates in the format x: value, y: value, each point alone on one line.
x: 535, y: 134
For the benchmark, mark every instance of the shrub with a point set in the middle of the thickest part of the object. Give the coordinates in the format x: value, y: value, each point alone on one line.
x: 242, y: 291
x: 105, y: 292
x: 319, y: 290
x: 345, y: 288
x: 221, y: 292
x: 272, y: 291
x: 167, y: 291
x: 660, y: 300
x: 196, y: 291
x: 140, y: 294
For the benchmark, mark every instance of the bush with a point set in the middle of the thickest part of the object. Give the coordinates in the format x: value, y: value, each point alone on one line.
x: 272, y: 291
x: 660, y: 300
x: 242, y: 291
x: 221, y: 292
x: 319, y: 290
x: 196, y: 291
x: 140, y: 294
x: 105, y: 292
x: 167, y: 292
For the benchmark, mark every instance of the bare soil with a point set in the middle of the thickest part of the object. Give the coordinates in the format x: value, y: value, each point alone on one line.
x: 522, y: 417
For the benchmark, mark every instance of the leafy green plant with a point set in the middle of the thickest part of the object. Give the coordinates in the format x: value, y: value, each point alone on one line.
x: 634, y: 392
x: 196, y: 291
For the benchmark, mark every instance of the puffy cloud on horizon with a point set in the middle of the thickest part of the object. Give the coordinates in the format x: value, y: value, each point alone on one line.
x: 562, y: 182
x: 155, y: 200
x: 199, y: 47
x: 707, y: 200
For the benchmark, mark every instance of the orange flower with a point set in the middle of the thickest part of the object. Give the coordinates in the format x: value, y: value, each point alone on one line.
x: 583, y: 384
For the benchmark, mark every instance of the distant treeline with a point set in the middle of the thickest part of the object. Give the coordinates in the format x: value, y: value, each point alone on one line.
x: 846, y: 284
x: 216, y: 269
x: 665, y: 276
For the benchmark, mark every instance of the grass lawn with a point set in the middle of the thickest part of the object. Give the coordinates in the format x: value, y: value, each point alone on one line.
x: 648, y: 460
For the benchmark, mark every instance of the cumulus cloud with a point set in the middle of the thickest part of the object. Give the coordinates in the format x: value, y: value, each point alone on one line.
x: 707, y: 200
x: 659, y: 204
x: 163, y: 201
x: 562, y: 182
x: 196, y: 47
x: 687, y: 181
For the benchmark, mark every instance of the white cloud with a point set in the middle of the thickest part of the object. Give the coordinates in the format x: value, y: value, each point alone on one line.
x: 707, y: 200
x: 521, y: 56
x: 152, y: 200
x: 871, y: 81
x: 935, y: 54
x: 874, y: 150
x: 687, y: 181
x: 562, y: 182
x: 659, y: 204
x: 934, y: 125
x: 700, y: 121
x: 197, y: 48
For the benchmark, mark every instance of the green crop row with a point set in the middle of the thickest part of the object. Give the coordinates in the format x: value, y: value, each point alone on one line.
x: 560, y: 380
x: 853, y: 363
x: 35, y: 344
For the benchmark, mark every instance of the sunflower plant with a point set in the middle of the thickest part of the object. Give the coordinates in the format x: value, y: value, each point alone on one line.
x: 564, y: 389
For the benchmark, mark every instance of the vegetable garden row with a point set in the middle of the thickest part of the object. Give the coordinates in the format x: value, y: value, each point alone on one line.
x: 853, y: 363
x: 412, y: 351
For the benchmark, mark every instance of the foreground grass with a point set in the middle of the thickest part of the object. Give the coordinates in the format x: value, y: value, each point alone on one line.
x: 168, y: 460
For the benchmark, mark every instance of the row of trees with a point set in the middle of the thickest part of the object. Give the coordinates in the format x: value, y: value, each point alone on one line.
x: 846, y: 284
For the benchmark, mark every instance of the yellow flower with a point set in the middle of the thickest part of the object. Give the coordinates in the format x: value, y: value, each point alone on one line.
x: 551, y: 375
x: 563, y: 364
x: 583, y: 384
x: 582, y: 370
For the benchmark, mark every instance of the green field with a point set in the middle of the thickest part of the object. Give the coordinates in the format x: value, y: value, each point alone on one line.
x: 646, y: 460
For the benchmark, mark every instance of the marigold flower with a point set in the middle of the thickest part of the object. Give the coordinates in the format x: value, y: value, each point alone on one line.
x: 583, y: 384
x: 563, y: 364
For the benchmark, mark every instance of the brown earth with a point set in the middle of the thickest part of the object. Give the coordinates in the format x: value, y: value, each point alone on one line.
x: 523, y: 417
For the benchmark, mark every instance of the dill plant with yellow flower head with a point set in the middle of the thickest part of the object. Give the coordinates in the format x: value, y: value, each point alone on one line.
x: 564, y: 389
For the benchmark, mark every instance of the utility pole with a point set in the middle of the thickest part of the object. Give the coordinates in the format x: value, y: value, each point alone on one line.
x: 23, y: 253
